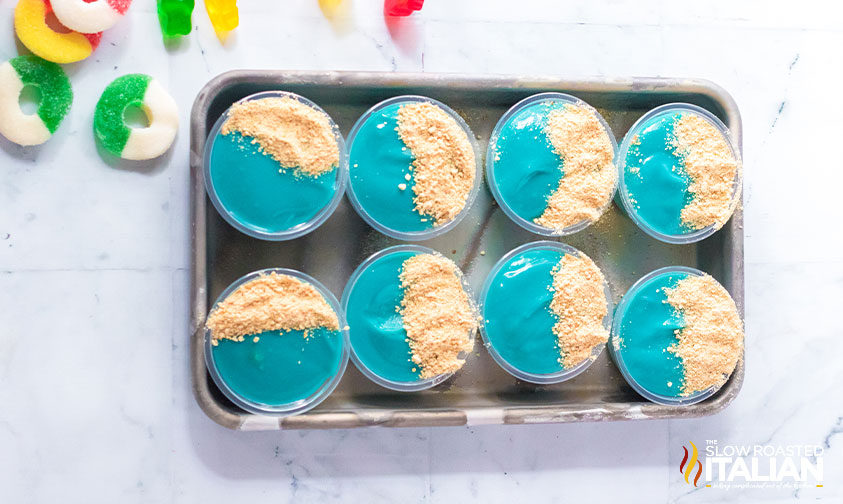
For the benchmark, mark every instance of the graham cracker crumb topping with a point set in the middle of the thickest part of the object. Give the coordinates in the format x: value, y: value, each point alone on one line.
x: 438, y: 315
x: 711, y: 341
x: 444, y: 164
x: 296, y: 135
x: 273, y: 302
x: 579, y: 303
x: 578, y: 137
x: 711, y: 167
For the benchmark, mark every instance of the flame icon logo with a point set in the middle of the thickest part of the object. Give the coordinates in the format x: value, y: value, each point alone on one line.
x: 687, y: 467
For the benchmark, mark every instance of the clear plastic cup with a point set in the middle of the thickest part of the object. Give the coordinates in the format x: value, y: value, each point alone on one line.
x: 340, y: 173
x: 299, y: 406
x: 615, y: 342
x: 490, y: 162
x: 548, y: 378
x: 400, y: 386
x: 472, y: 195
x: 629, y: 209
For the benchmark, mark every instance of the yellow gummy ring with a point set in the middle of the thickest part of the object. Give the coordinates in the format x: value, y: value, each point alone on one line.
x: 33, y: 31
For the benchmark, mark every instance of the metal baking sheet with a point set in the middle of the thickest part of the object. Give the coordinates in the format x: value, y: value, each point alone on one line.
x: 482, y: 392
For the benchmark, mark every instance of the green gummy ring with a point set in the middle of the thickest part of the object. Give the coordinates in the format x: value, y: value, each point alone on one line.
x: 123, y: 92
x: 50, y: 79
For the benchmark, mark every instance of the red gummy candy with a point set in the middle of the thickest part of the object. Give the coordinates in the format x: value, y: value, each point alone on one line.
x: 401, y: 7
x: 120, y: 6
x: 93, y: 38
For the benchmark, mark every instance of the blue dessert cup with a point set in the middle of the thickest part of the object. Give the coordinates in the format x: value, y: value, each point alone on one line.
x: 339, y: 175
x: 299, y: 406
x: 531, y: 377
x: 623, y: 197
x: 360, y: 204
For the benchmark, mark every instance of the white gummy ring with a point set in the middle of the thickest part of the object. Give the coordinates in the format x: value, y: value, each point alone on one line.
x: 89, y: 17
x: 56, y: 98
x: 136, y: 143
x: 154, y: 140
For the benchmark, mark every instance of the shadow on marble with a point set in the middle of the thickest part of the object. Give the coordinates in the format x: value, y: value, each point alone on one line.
x: 40, y: 156
x: 145, y: 167
x: 227, y: 40
x: 406, y: 33
x: 23, y: 153
x: 339, y: 14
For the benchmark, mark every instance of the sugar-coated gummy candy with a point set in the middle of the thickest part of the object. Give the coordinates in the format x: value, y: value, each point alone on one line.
x: 59, y: 47
x: 86, y: 16
x: 56, y: 98
x: 141, y: 91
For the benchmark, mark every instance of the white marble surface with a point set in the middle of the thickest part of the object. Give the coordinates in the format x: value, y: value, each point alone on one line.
x: 94, y: 397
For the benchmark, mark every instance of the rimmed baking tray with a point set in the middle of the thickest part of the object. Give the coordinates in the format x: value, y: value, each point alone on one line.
x: 481, y: 393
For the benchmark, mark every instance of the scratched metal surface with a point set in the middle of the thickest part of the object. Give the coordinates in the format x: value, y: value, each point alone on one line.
x: 481, y: 392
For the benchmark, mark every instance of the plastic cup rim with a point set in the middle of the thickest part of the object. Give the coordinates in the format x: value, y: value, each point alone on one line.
x: 700, y: 234
x: 300, y: 229
x: 537, y: 378
x: 398, y: 386
x: 296, y: 407
x: 490, y: 163
x: 617, y: 355
x: 472, y: 195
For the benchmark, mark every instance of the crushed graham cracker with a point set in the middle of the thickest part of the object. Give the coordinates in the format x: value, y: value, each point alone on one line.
x: 296, y: 135
x: 711, y: 167
x: 273, y: 302
x: 583, y: 144
x: 439, y: 317
x: 579, y: 304
x: 710, y: 342
x: 444, y: 164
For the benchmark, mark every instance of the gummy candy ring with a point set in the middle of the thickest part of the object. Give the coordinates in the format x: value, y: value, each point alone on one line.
x: 142, y: 91
x: 90, y: 16
x: 56, y: 97
x: 33, y: 31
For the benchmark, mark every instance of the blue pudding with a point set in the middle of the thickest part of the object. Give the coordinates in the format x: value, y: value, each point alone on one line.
x: 681, y: 173
x: 412, y: 167
x: 647, y: 328
x: 274, y: 342
x: 657, y: 185
x: 526, y: 168
x: 256, y: 192
x: 376, y: 328
x: 518, y: 319
x: 677, y: 336
x: 551, y: 164
x: 280, y: 367
x: 380, y: 173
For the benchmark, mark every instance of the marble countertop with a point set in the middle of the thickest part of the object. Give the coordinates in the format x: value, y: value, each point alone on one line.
x: 94, y: 259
